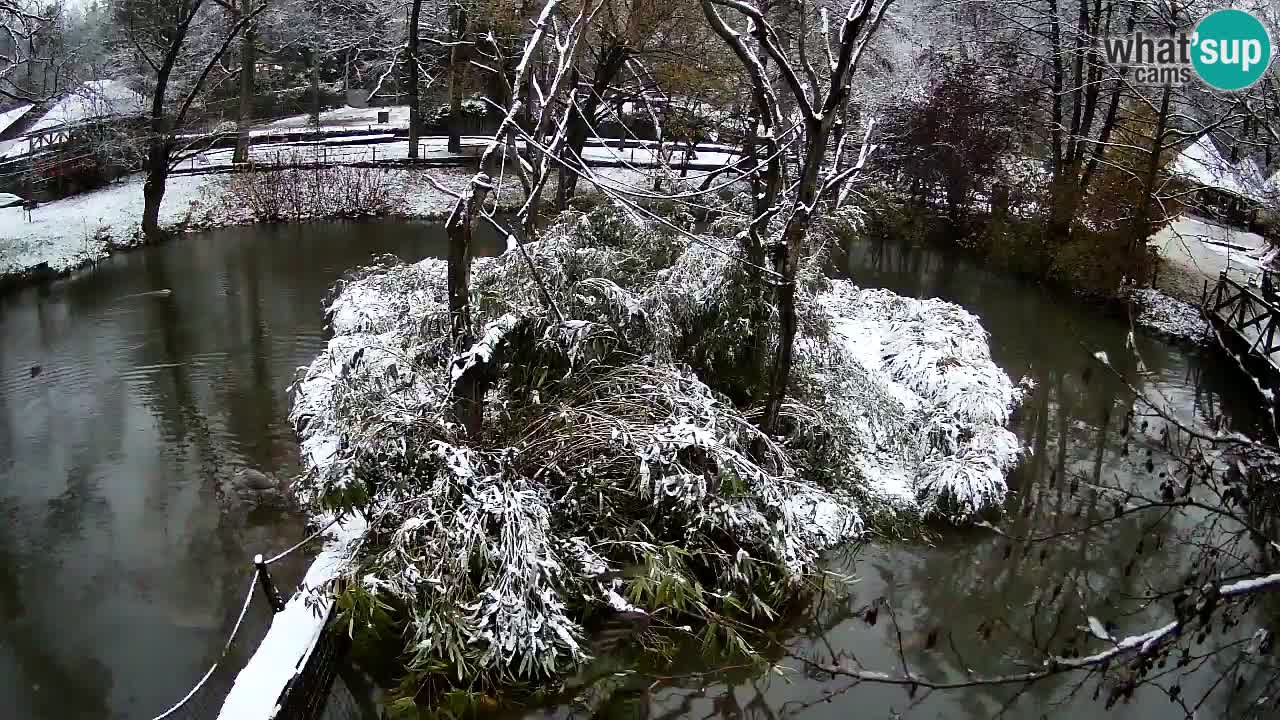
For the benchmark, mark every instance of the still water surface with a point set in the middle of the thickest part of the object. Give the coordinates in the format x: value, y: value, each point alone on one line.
x: 121, y: 570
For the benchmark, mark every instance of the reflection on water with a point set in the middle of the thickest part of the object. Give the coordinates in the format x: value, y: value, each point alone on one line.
x: 120, y: 410
x: 980, y: 596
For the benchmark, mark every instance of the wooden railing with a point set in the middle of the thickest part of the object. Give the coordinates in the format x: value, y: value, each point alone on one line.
x: 1252, y: 314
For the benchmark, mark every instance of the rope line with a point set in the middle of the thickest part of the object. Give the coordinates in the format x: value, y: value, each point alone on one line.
x: 313, y: 536
x: 244, y: 609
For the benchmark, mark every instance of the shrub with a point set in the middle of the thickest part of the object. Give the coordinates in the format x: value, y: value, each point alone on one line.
x: 611, y: 472
x: 291, y: 193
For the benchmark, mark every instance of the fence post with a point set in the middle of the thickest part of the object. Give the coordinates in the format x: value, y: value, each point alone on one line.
x: 268, y: 586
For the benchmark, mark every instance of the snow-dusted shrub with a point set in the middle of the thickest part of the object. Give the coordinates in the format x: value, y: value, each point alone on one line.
x: 955, y: 401
x: 612, y: 470
x: 289, y: 192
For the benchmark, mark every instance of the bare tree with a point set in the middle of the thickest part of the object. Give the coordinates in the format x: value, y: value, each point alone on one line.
x: 415, y: 104
x: 248, y: 68
x: 30, y: 36
x: 817, y: 103
x: 458, y: 51
x: 176, y: 43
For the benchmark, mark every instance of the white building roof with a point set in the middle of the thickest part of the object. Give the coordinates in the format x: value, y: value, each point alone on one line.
x: 93, y: 100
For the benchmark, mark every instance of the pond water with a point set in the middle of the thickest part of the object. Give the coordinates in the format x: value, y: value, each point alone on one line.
x: 121, y: 570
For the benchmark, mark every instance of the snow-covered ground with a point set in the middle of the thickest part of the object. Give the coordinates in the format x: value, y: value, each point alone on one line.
x: 1196, y: 251
x: 66, y: 234
x: 1169, y: 316
x: 70, y: 233
x: 333, y: 150
x: 352, y: 149
x: 344, y: 118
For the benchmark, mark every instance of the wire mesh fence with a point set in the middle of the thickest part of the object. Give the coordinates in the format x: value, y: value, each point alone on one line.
x: 343, y: 703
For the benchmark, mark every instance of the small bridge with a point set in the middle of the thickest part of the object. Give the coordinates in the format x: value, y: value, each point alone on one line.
x: 1246, y: 322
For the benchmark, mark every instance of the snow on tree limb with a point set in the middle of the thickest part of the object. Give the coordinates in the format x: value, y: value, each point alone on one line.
x: 1130, y: 648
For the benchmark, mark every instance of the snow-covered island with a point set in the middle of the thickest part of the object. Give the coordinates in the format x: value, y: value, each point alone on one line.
x: 612, y: 471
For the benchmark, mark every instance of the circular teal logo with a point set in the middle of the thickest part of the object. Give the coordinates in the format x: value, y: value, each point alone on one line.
x: 1231, y: 49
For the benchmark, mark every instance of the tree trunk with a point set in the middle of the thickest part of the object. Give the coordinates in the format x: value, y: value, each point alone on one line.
x: 315, y: 88
x: 157, y: 163
x: 456, y: 59
x: 460, y: 276
x: 468, y: 401
x: 764, y: 192
x: 414, y: 102
x: 1142, y: 218
x: 248, y: 65
x: 153, y: 188
x: 580, y: 118
x: 1063, y: 203
x: 529, y: 97
x: 563, y: 174
x: 787, y: 260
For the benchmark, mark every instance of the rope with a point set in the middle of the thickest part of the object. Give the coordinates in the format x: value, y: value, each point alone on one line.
x: 248, y: 599
x: 313, y: 536
x: 244, y: 609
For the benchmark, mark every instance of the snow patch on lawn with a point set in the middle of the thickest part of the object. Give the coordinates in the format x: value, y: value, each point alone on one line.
x: 66, y: 234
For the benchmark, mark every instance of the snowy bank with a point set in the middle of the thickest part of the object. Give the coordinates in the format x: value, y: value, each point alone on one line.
x: 65, y: 235
x: 68, y: 234
x: 1194, y: 251
x: 613, y: 472
x: 1168, y: 317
